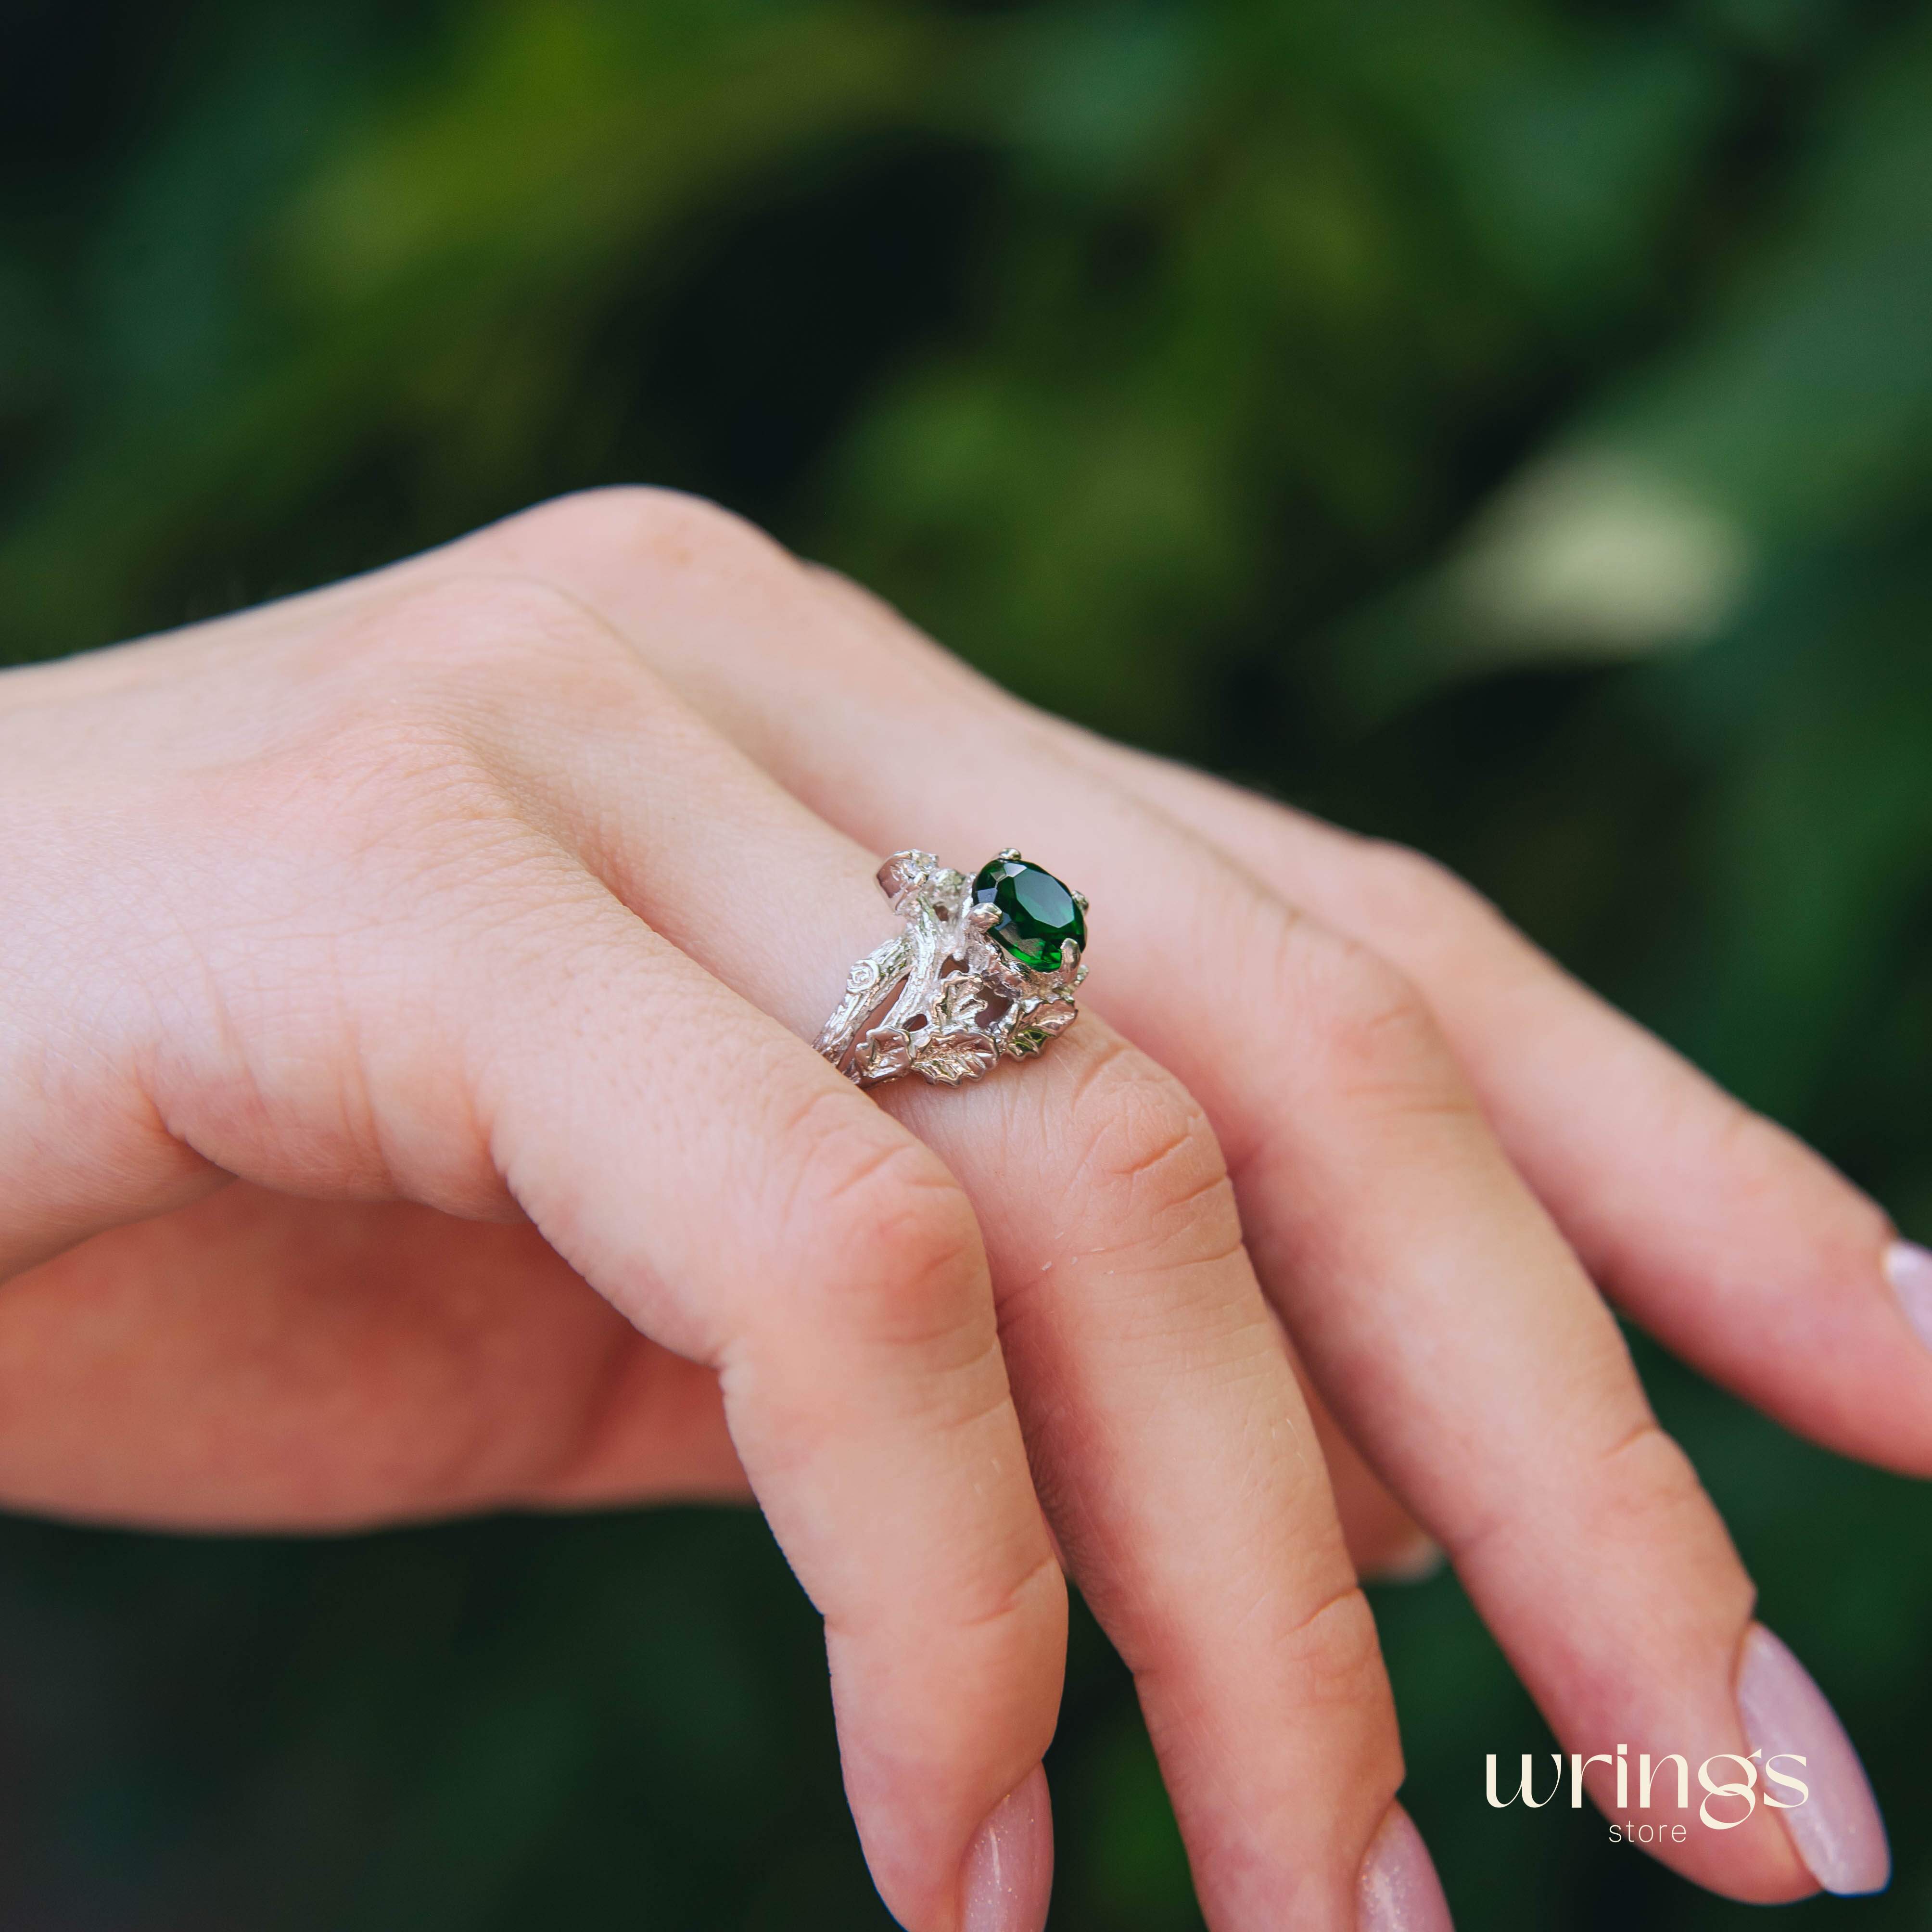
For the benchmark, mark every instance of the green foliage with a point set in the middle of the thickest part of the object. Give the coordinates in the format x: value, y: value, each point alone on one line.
x: 1504, y: 423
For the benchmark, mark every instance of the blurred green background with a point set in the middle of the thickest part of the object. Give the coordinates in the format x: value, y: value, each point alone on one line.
x: 1501, y: 423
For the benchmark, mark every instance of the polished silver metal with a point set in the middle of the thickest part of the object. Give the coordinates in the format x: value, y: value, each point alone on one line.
x: 963, y: 1001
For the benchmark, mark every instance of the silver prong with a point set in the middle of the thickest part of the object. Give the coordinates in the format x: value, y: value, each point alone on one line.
x: 1069, y: 957
x: 1008, y: 852
x: 903, y: 869
x: 984, y: 916
x: 1080, y: 900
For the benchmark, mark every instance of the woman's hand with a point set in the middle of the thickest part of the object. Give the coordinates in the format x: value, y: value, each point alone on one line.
x: 427, y: 908
x: 471, y: 915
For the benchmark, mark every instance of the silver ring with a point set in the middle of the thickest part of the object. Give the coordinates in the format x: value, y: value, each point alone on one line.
x: 986, y: 969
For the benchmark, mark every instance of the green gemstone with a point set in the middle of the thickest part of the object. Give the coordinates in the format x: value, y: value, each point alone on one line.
x: 1039, y: 914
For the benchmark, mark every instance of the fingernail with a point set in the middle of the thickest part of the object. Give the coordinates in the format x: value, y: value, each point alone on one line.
x: 1398, y: 1889
x: 1909, y: 1268
x: 1836, y: 1829
x: 1008, y: 1869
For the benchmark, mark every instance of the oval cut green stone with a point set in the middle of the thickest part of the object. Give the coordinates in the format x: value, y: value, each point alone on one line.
x: 1039, y: 912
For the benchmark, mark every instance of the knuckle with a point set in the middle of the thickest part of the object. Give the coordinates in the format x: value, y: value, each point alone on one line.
x: 1146, y: 1148
x: 1019, y: 1598
x: 1006, y: 1600
x: 396, y: 757
x: 1407, y: 890
x: 1337, y: 1655
x: 1365, y: 1031
x: 465, y: 643
x: 1428, y: 916
x: 1761, y: 1161
x: 1634, y: 1499
x: 1327, y: 1669
x: 438, y: 700
x: 436, y: 670
x: 1641, y: 1482
x: 1641, y: 1495
x: 654, y: 527
x: 899, y: 1261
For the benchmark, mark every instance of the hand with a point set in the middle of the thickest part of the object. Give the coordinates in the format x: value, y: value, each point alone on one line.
x: 432, y: 915
x: 333, y: 898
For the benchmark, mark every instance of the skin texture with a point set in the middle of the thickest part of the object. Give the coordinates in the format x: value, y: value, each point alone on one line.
x: 408, y: 1103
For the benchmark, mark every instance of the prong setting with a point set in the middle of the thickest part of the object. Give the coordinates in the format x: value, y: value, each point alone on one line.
x: 909, y: 1008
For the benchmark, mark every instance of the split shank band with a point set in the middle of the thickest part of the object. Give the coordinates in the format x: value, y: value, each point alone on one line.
x: 984, y: 969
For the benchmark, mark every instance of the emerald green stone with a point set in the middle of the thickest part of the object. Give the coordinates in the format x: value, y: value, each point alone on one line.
x: 1038, y: 912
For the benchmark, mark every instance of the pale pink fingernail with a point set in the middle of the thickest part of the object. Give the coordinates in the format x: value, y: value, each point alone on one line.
x: 1009, y: 1870
x: 1836, y: 1828
x: 1398, y: 1890
x: 1909, y: 1268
